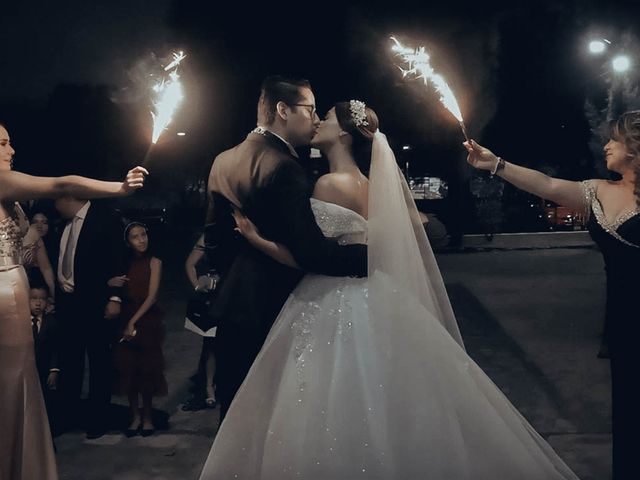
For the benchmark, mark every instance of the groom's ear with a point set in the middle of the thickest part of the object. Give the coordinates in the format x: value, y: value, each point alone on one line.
x: 282, y: 109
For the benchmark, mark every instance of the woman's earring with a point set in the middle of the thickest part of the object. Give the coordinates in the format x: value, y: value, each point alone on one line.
x: 342, y: 133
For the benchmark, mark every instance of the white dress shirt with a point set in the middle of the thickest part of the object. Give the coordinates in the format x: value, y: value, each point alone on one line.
x: 68, y: 284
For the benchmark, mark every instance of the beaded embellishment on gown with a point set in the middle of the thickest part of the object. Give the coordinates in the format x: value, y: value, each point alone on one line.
x: 340, y: 391
x: 26, y: 448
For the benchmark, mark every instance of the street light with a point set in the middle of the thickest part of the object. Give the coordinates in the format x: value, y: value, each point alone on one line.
x: 621, y: 63
x: 598, y: 46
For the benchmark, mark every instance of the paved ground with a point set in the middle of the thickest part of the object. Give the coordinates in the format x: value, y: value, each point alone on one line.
x: 530, y: 318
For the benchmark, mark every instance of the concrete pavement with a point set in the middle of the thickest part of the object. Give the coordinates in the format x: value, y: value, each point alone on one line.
x: 530, y: 318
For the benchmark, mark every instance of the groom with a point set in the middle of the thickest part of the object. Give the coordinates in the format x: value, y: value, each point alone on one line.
x: 261, y: 176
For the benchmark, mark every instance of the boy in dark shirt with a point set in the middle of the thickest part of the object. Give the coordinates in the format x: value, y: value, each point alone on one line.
x: 46, y: 342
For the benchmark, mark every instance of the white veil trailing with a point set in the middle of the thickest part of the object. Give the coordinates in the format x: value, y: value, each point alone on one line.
x: 367, y: 378
x: 398, y: 244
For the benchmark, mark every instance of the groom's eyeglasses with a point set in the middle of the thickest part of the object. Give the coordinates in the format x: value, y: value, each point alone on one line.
x: 312, y: 108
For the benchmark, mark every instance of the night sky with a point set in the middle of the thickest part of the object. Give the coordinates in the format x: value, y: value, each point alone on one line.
x: 71, y: 74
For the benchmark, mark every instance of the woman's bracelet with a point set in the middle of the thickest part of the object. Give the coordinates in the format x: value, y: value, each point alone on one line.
x: 498, y: 166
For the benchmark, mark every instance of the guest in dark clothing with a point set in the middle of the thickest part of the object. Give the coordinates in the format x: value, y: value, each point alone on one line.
x: 138, y: 354
x: 46, y: 340
x: 86, y: 307
x: 202, y: 279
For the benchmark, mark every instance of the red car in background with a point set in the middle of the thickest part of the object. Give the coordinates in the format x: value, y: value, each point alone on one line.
x: 561, y: 218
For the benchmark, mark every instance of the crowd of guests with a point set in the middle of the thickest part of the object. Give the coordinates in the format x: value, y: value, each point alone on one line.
x: 100, y: 303
x: 107, y: 313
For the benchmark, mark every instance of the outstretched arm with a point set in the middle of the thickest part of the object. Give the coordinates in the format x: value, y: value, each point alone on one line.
x: 275, y: 250
x: 562, y: 192
x: 16, y: 186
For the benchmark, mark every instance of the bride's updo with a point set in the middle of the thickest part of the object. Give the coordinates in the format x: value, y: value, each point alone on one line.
x: 361, y: 122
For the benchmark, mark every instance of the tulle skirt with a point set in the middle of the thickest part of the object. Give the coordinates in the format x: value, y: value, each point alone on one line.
x: 356, y: 380
x: 26, y: 448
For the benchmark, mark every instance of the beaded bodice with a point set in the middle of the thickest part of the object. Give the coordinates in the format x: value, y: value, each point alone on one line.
x: 339, y: 223
x: 619, y: 242
x: 622, y: 228
x: 12, y: 231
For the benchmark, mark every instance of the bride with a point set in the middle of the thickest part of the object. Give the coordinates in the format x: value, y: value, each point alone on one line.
x: 367, y: 378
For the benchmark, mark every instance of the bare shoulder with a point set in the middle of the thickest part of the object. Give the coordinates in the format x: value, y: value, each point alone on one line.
x: 155, y: 262
x: 592, y: 183
x: 6, y: 179
x: 334, y: 184
x: 326, y: 184
x: 606, y: 185
x: 342, y: 189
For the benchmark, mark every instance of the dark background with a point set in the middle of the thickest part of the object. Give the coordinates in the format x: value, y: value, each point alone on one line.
x: 74, y: 84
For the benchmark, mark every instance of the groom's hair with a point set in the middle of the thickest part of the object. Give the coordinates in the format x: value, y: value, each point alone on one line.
x: 276, y: 89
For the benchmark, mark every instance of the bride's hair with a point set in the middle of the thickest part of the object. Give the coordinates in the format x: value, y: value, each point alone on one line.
x: 361, y: 133
x: 626, y: 129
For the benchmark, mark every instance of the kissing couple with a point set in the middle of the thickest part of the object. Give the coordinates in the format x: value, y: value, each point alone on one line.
x: 339, y: 355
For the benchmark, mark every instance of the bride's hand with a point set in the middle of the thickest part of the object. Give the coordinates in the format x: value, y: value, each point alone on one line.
x: 245, y: 227
x: 480, y: 157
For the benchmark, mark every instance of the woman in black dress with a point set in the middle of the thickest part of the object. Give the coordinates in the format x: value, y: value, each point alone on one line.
x: 613, y: 211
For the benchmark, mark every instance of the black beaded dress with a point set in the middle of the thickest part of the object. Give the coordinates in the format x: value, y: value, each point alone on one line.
x: 619, y: 241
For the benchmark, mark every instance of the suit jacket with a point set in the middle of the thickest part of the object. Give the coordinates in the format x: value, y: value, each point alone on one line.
x: 261, y: 177
x: 47, y: 346
x: 98, y: 258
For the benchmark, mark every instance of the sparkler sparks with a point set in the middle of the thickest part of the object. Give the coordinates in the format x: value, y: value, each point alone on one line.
x: 417, y: 61
x: 168, y: 95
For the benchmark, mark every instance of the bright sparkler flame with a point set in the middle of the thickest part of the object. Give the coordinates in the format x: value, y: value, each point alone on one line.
x: 177, y: 58
x: 168, y: 97
x: 417, y: 60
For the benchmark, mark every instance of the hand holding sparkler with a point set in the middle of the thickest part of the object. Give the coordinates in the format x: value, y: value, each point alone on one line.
x: 134, y: 180
x: 128, y: 333
x: 417, y: 61
x: 481, y: 157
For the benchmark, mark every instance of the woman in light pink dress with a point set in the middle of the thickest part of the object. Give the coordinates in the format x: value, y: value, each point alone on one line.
x: 26, y: 449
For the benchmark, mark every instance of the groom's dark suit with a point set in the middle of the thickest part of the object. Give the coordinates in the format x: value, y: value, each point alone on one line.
x: 262, y: 177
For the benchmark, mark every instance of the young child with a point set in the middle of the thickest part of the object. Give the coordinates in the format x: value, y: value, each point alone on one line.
x: 139, y: 361
x: 46, y: 342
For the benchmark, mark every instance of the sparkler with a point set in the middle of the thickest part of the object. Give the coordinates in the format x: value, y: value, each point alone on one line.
x: 168, y: 95
x: 417, y: 60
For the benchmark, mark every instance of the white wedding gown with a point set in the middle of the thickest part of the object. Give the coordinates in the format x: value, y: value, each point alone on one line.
x: 348, y: 386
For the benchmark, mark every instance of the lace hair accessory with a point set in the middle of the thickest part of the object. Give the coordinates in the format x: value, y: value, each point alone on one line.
x: 358, y: 113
